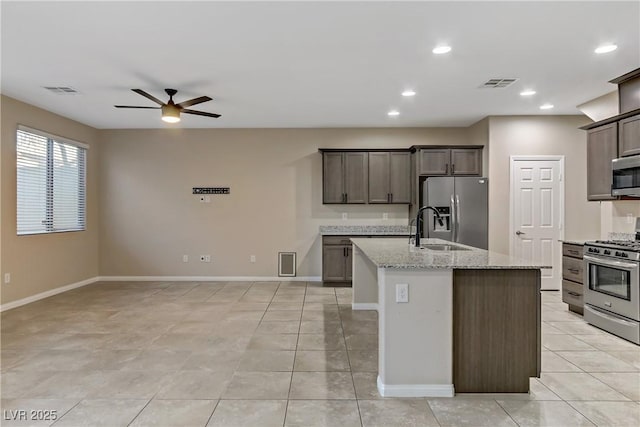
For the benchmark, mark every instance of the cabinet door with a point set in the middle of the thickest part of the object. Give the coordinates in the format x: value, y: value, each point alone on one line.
x: 602, y: 147
x: 466, y: 161
x: 333, y: 263
x: 400, y: 177
x: 355, y: 177
x: 379, y: 191
x: 434, y: 161
x: 348, y: 267
x: 629, y: 142
x: 332, y: 178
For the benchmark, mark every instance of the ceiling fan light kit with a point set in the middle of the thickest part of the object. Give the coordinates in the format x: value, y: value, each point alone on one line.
x: 170, y: 114
x: 170, y: 110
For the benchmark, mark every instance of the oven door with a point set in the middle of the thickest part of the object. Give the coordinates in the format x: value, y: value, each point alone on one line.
x: 612, y: 285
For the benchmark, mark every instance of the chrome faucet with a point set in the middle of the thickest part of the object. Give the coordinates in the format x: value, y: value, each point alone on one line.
x: 419, y: 218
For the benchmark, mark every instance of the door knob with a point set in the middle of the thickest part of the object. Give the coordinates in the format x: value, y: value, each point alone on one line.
x: 519, y: 233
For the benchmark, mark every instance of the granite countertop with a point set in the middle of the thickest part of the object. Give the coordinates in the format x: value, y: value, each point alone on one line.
x: 580, y: 242
x: 364, y: 230
x: 396, y: 253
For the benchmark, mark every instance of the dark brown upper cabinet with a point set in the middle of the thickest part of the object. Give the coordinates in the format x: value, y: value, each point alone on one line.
x: 629, y: 136
x: 450, y: 161
x: 344, y: 177
x: 389, y: 177
x: 602, y: 147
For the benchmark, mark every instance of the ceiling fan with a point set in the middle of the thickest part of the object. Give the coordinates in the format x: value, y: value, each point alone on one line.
x: 170, y: 110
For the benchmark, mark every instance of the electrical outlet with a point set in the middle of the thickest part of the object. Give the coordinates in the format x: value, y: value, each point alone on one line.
x: 385, y: 216
x: 207, y: 199
x: 402, y: 292
x: 185, y: 258
x: 344, y: 215
x: 7, y: 278
x: 252, y: 258
x: 630, y: 218
x: 207, y: 258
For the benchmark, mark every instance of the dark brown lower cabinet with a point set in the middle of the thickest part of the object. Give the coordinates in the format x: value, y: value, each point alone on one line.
x: 496, y: 330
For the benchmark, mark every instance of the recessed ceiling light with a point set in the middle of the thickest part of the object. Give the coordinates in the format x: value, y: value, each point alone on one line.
x: 439, y: 50
x: 527, y: 92
x: 546, y: 106
x: 393, y: 113
x: 606, y: 48
x: 408, y: 93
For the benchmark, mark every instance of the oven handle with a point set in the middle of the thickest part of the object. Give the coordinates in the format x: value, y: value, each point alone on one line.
x: 607, y: 262
x: 607, y: 316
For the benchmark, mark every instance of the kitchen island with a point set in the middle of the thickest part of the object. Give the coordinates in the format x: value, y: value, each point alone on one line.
x: 471, y: 323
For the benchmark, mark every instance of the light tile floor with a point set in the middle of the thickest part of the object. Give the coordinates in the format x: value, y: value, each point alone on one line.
x: 272, y: 354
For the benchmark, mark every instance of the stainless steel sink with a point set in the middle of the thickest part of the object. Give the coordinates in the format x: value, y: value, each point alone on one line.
x: 442, y: 247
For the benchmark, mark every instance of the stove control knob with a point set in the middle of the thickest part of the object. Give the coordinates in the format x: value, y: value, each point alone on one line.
x: 607, y: 252
x: 625, y: 255
x: 596, y: 250
x: 618, y: 253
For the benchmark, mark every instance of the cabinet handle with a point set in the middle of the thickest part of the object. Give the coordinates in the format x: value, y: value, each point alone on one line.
x: 574, y: 270
x: 346, y: 198
x: 446, y: 169
x: 453, y: 168
x: 344, y: 252
x: 572, y: 252
x: 574, y: 294
x: 390, y: 197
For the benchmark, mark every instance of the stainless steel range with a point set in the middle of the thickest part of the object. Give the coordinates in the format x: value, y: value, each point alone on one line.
x: 612, y: 285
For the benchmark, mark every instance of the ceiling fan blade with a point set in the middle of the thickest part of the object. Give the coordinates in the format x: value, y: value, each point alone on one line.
x: 134, y: 106
x: 193, y: 101
x: 201, y: 113
x: 146, y: 95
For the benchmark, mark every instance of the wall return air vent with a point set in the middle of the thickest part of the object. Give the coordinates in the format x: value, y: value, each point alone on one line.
x: 497, y: 83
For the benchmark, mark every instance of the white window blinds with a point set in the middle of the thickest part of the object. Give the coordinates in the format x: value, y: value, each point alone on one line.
x: 50, y: 183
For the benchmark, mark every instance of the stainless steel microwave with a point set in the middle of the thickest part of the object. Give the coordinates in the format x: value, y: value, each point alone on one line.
x: 626, y: 176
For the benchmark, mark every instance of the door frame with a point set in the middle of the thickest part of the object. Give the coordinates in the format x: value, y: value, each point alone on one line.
x: 512, y: 163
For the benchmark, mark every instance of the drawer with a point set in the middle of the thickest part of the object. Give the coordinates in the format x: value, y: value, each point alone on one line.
x: 572, y: 269
x: 338, y: 240
x: 572, y: 293
x: 574, y: 251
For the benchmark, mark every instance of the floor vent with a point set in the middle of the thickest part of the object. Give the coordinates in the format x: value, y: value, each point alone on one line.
x: 497, y: 83
x: 286, y: 264
x: 61, y: 90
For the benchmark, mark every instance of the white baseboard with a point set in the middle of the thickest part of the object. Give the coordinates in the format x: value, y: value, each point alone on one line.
x: 364, y: 306
x: 208, y: 279
x: 46, y: 294
x: 415, y: 390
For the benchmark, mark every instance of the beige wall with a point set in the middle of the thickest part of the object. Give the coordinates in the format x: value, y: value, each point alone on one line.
x: 39, y: 263
x: 150, y: 218
x: 540, y: 135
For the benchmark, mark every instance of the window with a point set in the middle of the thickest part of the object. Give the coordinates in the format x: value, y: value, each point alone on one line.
x: 50, y: 183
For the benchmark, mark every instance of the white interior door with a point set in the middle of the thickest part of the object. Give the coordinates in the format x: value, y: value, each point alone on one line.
x: 537, y: 200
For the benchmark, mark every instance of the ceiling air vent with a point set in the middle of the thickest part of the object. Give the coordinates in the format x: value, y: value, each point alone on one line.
x: 497, y: 83
x: 61, y: 90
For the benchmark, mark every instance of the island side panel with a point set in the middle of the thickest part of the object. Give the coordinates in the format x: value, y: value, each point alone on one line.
x: 496, y: 330
x: 415, y: 338
x: 364, y: 282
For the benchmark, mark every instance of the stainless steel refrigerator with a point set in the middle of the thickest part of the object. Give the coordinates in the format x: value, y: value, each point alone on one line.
x: 463, y: 204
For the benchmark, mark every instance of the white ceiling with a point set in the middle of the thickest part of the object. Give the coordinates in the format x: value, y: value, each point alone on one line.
x: 314, y: 64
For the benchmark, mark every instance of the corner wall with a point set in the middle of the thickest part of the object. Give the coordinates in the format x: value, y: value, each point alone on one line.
x: 540, y: 135
x: 42, y: 262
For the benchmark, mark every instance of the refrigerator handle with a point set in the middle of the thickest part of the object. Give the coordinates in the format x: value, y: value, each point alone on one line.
x: 454, y: 226
x: 457, y: 216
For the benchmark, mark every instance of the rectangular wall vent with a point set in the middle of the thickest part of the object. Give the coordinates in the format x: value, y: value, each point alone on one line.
x: 286, y: 264
x: 497, y: 83
x: 61, y: 90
